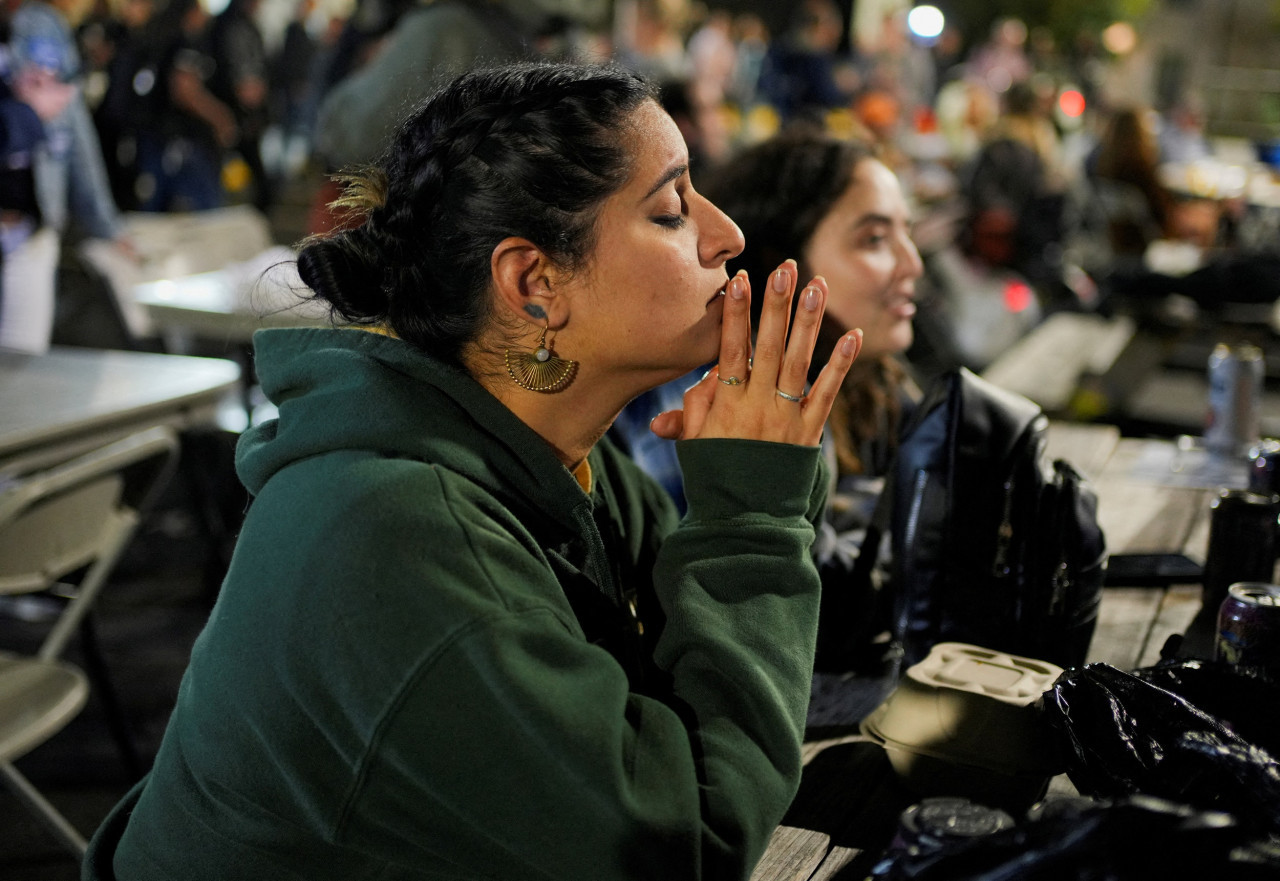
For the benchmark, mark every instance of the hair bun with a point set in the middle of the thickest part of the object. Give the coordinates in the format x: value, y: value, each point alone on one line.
x: 341, y: 273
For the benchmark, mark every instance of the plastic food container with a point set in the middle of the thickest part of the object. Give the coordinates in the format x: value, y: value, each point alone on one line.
x: 965, y: 721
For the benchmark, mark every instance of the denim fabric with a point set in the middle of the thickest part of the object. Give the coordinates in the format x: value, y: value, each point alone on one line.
x: 180, y: 174
x: 655, y: 456
x: 71, y: 177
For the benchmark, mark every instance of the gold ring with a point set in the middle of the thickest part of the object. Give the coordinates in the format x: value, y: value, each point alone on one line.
x: 733, y: 380
x: 795, y: 399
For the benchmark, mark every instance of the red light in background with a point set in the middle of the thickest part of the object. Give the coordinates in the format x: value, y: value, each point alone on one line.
x: 1017, y: 296
x: 1071, y: 103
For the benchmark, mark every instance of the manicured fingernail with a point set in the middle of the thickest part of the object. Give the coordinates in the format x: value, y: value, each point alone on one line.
x: 811, y: 298
x: 847, y: 345
x: 735, y: 288
x: 780, y: 280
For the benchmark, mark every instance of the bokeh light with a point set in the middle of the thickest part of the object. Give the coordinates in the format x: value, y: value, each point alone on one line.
x: 1119, y: 38
x: 1071, y: 103
x: 926, y: 22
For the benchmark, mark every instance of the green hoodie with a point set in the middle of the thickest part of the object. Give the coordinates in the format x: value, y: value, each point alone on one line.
x: 424, y: 661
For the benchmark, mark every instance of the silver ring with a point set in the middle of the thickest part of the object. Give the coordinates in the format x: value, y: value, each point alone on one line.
x: 733, y: 380
x: 786, y: 397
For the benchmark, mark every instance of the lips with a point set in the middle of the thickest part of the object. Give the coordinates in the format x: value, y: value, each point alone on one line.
x: 902, y: 306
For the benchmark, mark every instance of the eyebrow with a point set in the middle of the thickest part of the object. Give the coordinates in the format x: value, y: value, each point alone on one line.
x: 868, y: 219
x: 673, y: 173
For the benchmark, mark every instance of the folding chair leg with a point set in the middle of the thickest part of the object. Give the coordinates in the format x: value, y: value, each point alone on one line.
x: 95, y: 667
x: 54, y: 820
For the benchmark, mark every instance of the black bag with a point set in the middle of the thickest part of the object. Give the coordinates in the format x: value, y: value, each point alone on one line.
x: 992, y: 544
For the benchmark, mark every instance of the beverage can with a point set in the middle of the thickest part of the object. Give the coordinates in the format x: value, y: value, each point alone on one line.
x: 935, y: 822
x: 1264, y: 466
x: 1249, y: 626
x: 1244, y: 538
x: 1236, y: 373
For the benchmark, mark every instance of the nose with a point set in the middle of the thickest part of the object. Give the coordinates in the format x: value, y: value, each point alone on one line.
x: 719, y: 239
x: 909, y: 263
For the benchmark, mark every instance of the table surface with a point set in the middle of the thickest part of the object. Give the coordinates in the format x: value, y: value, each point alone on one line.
x: 1153, y: 497
x: 71, y: 398
x: 230, y: 304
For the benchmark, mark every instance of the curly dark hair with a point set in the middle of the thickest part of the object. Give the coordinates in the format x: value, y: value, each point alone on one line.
x: 529, y: 150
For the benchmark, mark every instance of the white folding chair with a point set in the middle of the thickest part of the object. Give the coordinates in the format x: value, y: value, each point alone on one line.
x: 76, y: 517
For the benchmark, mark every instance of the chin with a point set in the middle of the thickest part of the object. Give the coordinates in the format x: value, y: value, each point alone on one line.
x: 702, y: 350
x: 900, y: 338
x: 892, y: 343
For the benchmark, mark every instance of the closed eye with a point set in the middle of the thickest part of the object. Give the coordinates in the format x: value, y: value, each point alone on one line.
x: 670, y: 221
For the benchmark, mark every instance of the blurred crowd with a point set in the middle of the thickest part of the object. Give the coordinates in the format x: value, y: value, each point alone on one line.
x: 1014, y: 150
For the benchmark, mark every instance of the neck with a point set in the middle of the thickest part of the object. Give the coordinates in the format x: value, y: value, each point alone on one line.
x: 571, y: 420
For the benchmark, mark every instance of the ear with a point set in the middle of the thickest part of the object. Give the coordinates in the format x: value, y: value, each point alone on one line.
x: 523, y: 279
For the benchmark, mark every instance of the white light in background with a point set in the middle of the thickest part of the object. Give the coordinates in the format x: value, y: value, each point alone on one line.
x: 926, y: 22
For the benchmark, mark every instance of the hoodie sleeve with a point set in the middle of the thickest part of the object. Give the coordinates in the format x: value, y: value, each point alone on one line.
x: 547, y: 735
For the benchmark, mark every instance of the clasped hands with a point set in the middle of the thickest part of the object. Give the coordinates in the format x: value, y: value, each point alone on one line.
x: 756, y: 391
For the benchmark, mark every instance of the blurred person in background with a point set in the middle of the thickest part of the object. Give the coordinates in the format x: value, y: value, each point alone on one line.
x: 25, y: 102
x: 182, y: 143
x: 966, y: 111
x: 72, y: 191
x: 1128, y: 153
x: 120, y: 110
x: 713, y: 55
x: 295, y: 72
x: 649, y: 37
x: 1002, y: 60
x: 751, y: 44
x: 1182, y: 134
x: 699, y: 114
x: 239, y: 80
x: 1014, y: 191
x: 804, y: 74
x: 430, y: 44
x: 361, y: 35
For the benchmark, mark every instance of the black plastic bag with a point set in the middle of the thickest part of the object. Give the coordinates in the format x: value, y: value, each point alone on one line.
x: 1244, y: 699
x: 1142, y: 732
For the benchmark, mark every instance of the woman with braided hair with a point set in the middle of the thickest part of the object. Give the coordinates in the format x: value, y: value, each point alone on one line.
x: 462, y: 635
x: 834, y: 207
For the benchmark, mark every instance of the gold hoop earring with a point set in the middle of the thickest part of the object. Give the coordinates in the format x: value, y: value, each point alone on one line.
x: 540, y: 370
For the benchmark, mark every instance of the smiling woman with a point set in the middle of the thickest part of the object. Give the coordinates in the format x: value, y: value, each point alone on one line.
x: 461, y: 636
x: 841, y: 212
x: 831, y: 204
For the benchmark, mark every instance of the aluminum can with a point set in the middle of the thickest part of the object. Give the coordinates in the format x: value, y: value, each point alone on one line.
x: 935, y: 822
x: 1244, y: 537
x: 1235, y: 398
x: 1264, y: 466
x: 1249, y: 626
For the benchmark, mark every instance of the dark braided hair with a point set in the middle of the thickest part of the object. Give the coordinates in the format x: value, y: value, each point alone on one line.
x: 529, y: 150
x: 778, y: 191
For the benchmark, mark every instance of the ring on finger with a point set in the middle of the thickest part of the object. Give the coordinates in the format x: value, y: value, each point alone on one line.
x: 733, y: 380
x: 795, y: 399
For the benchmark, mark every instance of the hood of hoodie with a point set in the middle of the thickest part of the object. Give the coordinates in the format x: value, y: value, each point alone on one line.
x: 351, y: 390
